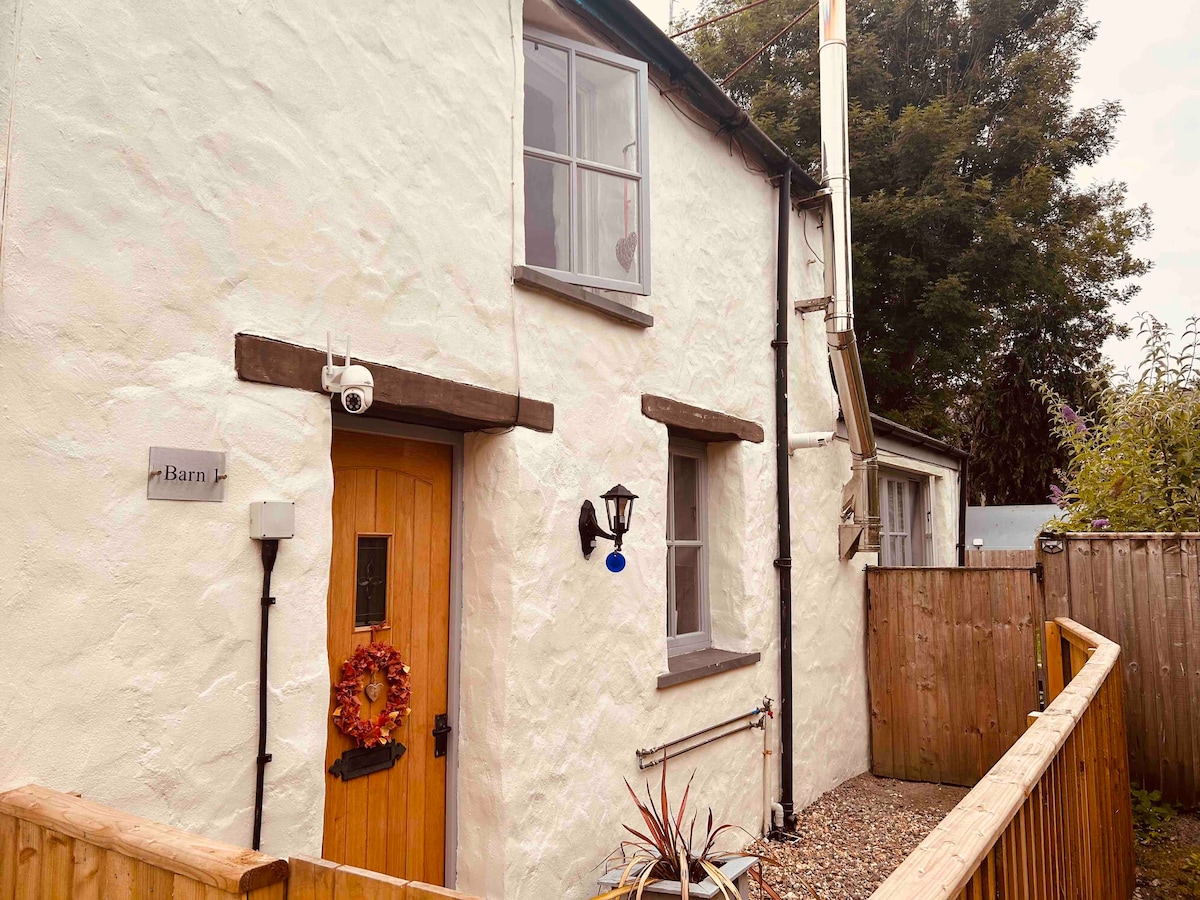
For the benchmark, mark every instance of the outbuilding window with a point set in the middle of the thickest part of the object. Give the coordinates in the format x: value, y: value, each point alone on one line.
x: 687, y: 556
x: 586, y: 216
x: 905, y: 513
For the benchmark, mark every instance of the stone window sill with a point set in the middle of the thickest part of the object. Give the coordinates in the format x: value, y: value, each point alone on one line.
x: 702, y: 663
x: 581, y: 296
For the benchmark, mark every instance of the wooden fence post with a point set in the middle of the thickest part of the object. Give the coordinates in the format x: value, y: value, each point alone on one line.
x: 1056, y: 575
x: 1054, y: 661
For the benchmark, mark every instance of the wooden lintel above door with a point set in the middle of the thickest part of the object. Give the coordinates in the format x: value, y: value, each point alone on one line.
x: 400, y: 395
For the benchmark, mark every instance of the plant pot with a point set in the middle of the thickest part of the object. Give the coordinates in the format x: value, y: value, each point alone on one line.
x: 736, y: 869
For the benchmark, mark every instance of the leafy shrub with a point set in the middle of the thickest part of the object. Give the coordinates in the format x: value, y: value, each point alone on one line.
x: 1191, y: 873
x: 1150, y: 816
x: 1134, y: 460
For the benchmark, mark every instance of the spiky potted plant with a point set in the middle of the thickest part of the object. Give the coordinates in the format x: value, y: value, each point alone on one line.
x: 666, y: 858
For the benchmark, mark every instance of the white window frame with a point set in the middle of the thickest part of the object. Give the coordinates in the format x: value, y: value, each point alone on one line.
x: 641, y: 176
x: 918, y: 491
x: 699, y: 640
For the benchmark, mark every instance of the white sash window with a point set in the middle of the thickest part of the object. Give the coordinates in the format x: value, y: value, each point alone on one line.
x: 687, y: 554
x: 586, y: 211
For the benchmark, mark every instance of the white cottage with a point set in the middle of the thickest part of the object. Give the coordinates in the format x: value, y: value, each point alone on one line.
x: 567, y: 261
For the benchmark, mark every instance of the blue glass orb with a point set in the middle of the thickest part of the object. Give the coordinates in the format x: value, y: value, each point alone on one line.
x: 615, y: 561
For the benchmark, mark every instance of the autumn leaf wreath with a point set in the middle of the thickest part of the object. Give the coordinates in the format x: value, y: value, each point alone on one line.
x: 347, y: 711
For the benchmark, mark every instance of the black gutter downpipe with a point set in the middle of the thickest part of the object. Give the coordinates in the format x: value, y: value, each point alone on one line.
x: 783, y: 563
x: 964, y: 469
x: 270, y: 549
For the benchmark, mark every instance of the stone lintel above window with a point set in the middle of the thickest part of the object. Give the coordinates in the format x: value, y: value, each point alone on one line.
x: 705, y: 425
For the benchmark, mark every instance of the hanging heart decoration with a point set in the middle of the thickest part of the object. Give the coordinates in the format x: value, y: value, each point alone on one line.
x: 626, y: 249
x: 373, y: 690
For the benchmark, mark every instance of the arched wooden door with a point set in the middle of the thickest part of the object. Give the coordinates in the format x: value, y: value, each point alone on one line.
x: 390, y: 575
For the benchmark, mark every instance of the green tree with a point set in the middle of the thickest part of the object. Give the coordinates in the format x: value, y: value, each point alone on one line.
x: 1134, y: 463
x: 980, y: 263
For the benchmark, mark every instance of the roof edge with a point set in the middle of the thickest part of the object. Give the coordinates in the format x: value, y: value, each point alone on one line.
x: 913, y: 437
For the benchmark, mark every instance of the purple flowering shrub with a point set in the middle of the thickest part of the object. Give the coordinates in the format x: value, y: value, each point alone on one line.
x: 1134, y: 457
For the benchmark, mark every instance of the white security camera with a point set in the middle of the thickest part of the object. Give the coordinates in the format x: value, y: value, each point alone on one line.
x: 354, y: 383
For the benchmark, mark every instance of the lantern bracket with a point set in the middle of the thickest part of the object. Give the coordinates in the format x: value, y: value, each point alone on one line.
x: 589, y: 529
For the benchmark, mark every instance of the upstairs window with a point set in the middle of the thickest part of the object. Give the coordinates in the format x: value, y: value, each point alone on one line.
x: 586, y: 216
x: 687, y: 555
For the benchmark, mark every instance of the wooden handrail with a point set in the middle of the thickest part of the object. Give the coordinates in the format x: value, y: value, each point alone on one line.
x: 234, y: 870
x: 947, y: 860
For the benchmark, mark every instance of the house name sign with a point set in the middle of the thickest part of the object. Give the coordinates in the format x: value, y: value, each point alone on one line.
x: 177, y: 474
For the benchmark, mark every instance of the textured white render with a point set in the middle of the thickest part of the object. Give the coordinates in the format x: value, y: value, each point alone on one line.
x: 180, y: 172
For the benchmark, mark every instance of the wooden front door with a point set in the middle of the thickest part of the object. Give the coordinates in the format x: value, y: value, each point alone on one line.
x: 390, y: 576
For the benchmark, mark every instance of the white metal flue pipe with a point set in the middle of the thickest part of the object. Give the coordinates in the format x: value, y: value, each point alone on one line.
x: 860, y: 505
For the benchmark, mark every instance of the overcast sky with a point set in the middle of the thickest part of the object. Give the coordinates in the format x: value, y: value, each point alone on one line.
x: 1147, y: 56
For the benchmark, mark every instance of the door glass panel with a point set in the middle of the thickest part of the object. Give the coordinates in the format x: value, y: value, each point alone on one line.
x: 684, y: 485
x: 606, y: 114
x: 547, y: 214
x: 687, y: 590
x: 545, y: 97
x: 607, y: 212
x: 370, y: 601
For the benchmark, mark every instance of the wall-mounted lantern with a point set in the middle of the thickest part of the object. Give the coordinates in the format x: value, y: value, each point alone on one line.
x: 618, y: 504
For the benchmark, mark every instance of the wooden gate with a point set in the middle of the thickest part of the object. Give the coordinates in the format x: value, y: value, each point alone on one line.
x: 1142, y: 590
x: 952, y: 665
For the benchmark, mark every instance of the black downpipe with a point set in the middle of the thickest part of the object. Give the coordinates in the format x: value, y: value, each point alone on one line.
x: 783, y: 563
x: 964, y: 468
x: 270, y: 549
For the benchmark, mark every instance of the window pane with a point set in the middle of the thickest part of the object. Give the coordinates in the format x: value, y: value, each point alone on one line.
x: 605, y: 114
x: 545, y: 97
x: 608, y: 226
x: 670, y: 588
x: 687, y: 590
x: 547, y: 214
x: 370, y: 601
x: 685, y: 476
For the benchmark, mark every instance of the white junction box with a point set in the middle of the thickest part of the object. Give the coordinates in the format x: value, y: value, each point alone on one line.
x: 272, y: 520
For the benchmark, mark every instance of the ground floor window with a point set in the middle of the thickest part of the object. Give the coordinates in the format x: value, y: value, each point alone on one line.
x: 687, y: 556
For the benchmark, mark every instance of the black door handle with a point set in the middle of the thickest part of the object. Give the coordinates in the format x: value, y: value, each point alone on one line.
x: 441, y: 728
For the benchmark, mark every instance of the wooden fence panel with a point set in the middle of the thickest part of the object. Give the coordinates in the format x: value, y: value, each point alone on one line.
x: 936, y: 636
x: 1144, y: 590
x: 320, y: 879
x: 56, y: 846
x: 1001, y: 559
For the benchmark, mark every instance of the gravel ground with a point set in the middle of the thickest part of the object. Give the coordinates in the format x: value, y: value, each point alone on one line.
x: 852, y: 838
x: 1169, y: 869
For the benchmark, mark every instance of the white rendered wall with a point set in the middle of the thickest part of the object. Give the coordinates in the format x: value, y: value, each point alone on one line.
x: 183, y: 172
